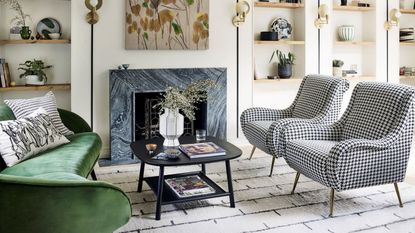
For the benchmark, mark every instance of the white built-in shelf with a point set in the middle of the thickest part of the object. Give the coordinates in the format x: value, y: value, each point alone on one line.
x: 353, y: 8
x: 48, y: 87
x: 16, y: 42
x: 288, y: 80
x: 279, y: 5
x: 280, y: 42
x: 354, y: 43
x: 405, y: 78
x: 407, y: 43
x: 408, y: 11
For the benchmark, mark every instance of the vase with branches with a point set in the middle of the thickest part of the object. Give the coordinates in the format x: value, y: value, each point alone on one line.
x: 176, y: 101
x: 20, y: 19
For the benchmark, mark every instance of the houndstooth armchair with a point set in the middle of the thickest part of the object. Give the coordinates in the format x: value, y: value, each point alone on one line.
x: 368, y: 146
x: 318, y: 101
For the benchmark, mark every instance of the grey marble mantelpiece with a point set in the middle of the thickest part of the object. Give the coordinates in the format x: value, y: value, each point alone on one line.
x: 125, y: 83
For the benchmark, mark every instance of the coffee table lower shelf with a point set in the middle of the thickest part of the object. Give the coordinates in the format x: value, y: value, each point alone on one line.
x: 169, y: 197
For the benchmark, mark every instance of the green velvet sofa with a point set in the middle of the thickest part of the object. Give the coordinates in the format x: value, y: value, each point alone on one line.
x: 50, y: 193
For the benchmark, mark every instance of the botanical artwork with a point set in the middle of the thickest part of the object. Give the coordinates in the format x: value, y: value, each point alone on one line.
x: 167, y: 24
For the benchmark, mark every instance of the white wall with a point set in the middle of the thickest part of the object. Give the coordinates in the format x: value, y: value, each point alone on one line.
x: 110, y: 52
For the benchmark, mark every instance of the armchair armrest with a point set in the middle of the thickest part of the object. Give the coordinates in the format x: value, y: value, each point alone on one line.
x: 264, y: 114
x: 74, y: 122
x: 61, y: 205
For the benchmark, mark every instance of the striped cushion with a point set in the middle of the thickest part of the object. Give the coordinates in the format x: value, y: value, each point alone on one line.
x: 24, y: 107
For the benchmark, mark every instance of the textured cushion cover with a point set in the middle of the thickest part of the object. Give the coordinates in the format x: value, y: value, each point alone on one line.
x: 24, y: 107
x: 21, y: 139
x: 77, y: 157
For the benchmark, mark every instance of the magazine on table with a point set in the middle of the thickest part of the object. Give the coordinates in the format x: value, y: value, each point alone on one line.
x: 189, y: 186
x: 202, y: 150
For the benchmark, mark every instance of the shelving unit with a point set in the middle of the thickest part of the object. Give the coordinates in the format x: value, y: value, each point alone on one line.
x: 353, y: 8
x: 279, y: 5
x: 17, y: 42
x: 280, y: 42
x: 408, y: 11
x: 407, y: 49
x: 355, y: 43
x: 48, y: 87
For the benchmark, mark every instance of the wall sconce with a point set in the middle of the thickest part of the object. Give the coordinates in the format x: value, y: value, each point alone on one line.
x: 394, y: 16
x: 242, y: 10
x: 93, y: 5
x: 323, y: 16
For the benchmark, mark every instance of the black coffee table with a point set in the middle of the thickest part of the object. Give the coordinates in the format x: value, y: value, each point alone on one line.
x: 167, y: 196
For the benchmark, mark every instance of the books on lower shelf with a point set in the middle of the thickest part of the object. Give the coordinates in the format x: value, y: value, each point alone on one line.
x: 5, y: 79
x: 202, y: 150
x: 189, y: 186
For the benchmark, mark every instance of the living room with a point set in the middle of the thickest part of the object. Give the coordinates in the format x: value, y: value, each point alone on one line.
x: 306, y: 104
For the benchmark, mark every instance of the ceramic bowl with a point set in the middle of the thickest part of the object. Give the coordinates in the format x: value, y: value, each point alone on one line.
x: 55, y: 36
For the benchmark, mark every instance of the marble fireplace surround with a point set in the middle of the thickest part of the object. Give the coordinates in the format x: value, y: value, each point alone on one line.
x: 124, y: 84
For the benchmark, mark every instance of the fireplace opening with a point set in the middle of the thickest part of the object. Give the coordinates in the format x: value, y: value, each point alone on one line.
x: 146, y: 117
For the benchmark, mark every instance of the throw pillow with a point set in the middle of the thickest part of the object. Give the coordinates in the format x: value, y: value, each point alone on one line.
x: 26, y: 137
x: 24, y: 107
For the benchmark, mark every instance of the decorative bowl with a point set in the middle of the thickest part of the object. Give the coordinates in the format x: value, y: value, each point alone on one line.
x: 346, y: 32
x: 54, y: 36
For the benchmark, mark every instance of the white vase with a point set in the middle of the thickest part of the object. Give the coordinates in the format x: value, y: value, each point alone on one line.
x: 34, y: 80
x: 337, y: 72
x: 346, y: 33
x: 171, y: 127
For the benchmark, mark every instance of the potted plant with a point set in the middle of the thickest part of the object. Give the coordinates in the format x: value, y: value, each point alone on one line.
x: 20, y: 18
x: 337, y: 68
x: 285, y: 63
x: 34, y: 72
x: 176, y: 101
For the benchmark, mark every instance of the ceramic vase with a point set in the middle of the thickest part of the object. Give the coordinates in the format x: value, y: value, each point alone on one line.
x: 171, y: 127
x: 346, y: 33
x: 285, y: 71
x: 33, y: 80
x: 337, y: 72
x: 343, y: 2
x: 25, y: 33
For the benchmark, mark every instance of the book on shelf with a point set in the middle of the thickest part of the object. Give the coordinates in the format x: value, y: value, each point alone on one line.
x: 189, y: 186
x: 7, y: 78
x: 202, y: 150
x: 2, y: 73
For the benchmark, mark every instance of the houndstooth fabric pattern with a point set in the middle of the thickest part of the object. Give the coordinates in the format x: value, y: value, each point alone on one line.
x: 258, y: 130
x: 373, y: 139
x: 318, y: 101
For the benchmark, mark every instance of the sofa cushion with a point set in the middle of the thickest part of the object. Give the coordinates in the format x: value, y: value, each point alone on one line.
x: 23, y: 107
x: 21, y: 139
x: 77, y: 157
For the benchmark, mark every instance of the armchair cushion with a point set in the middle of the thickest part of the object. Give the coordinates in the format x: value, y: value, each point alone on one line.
x: 256, y: 132
x: 310, y: 157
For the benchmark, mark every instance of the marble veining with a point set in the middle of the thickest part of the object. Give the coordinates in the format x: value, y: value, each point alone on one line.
x: 125, y: 83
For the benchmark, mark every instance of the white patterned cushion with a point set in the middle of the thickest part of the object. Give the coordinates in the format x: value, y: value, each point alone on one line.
x: 24, y: 107
x: 26, y: 137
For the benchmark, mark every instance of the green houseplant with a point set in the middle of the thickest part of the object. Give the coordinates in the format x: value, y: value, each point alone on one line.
x: 34, y: 72
x: 176, y: 99
x: 337, y: 68
x: 285, y: 63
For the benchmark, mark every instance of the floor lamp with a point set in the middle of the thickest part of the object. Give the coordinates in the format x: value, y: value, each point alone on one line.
x: 92, y: 18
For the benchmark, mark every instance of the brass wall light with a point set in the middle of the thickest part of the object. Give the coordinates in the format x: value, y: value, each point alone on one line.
x: 242, y: 10
x: 323, y: 16
x: 93, y: 5
x: 394, y: 16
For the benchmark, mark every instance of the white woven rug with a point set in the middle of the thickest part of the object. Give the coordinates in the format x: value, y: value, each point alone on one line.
x: 263, y: 204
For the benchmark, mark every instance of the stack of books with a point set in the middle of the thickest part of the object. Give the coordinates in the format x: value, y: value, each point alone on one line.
x: 5, y: 78
x: 406, y: 35
x: 189, y: 186
x: 202, y: 150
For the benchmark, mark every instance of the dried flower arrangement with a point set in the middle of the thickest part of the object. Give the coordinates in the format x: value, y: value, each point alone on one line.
x: 186, y: 99
x: 20, y: 18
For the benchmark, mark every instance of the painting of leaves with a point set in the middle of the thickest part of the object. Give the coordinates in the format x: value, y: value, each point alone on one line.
x: 167, y: 24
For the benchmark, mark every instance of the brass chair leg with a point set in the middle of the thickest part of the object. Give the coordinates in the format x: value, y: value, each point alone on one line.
x: 252, y: 152
x: 297, y: 177
x: 398, y: 194
x: 331, y: 202
x: 272, y: 166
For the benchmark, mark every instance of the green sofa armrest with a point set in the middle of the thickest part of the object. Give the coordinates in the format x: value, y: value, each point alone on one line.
x: 64, y: 206
x: 74, y: 122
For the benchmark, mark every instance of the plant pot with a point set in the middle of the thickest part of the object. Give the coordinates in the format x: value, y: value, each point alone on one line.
x: 337, y: 72
x: 34, y: 80
x: 285, y: 71
x: 346, y: 33
x: 343, y: 2
x: 171, y: 127
x: 25, y: 33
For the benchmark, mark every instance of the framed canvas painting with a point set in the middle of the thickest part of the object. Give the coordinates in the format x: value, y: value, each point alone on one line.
x: 167, y: 24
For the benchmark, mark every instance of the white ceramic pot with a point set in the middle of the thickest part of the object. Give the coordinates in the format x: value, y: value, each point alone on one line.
x: 171, y: 127
x: 34, y: 80
x: 346, y: 33
x: 337, y: 72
